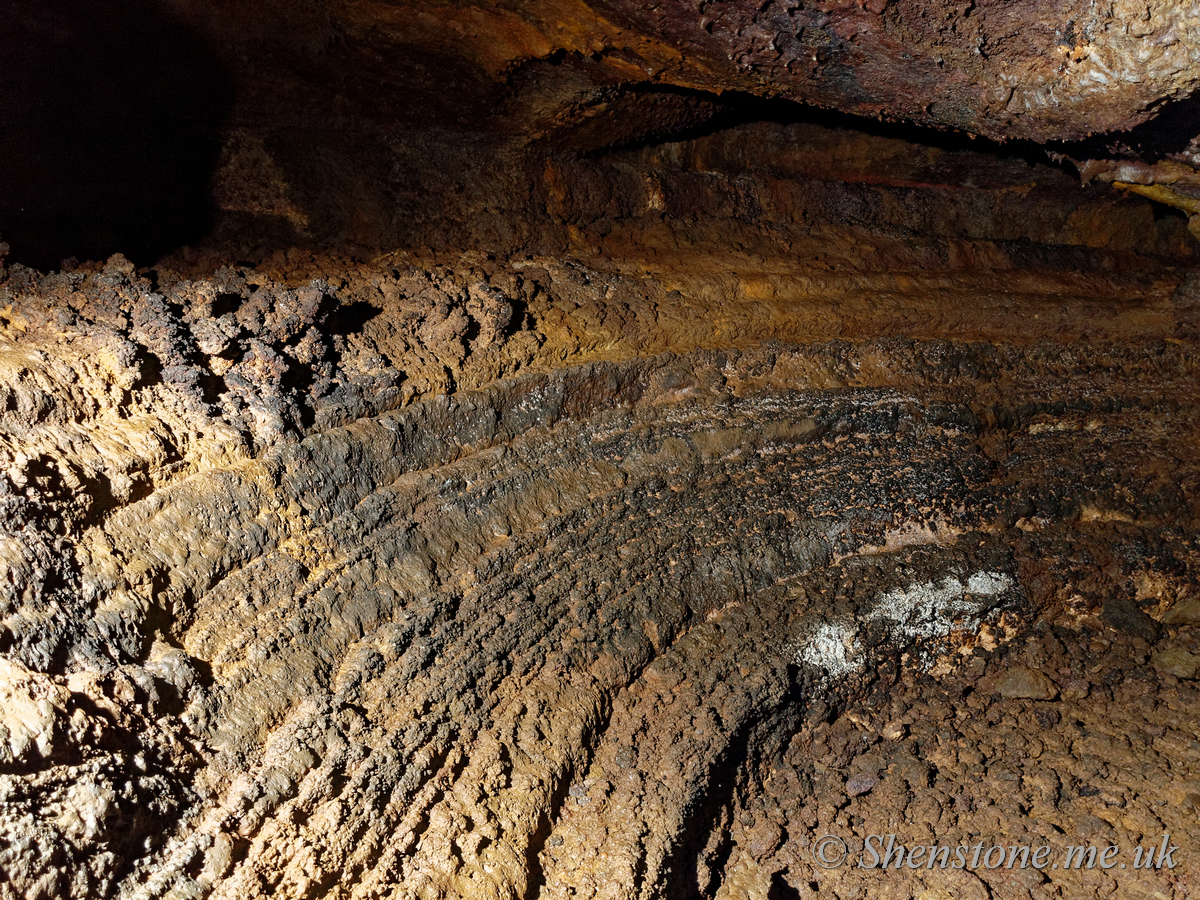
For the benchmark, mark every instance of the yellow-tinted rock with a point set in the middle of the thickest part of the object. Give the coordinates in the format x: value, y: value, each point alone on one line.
x: 1020, y: 683
x: 1177, y: 662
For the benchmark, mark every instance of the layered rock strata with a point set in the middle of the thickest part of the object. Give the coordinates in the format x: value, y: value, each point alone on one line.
x: 526, y: 579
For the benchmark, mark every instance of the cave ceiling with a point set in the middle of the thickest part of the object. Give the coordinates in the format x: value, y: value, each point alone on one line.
x: 1035, y: 69
x: 142, y: 127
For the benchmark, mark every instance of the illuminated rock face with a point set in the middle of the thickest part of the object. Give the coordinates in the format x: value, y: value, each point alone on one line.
x: 275, y: 124
x: 1040, y: 69
x: 541, y: 477
x: 450, y: 582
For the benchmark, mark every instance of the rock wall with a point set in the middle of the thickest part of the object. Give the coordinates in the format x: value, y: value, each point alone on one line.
x: 138, y: 128
x: 516, y: 450
x: 517, y: 579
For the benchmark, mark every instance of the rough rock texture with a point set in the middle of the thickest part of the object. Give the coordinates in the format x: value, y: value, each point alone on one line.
x: 1040, y: 69
x: 138, y: 127
x: 515, y: 450
x: 518, y: 579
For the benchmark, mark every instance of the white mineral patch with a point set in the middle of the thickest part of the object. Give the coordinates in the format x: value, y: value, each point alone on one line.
x: 929, y: 609
x: 829, y: 648
x: 988, y: 583
x: 922, y: 611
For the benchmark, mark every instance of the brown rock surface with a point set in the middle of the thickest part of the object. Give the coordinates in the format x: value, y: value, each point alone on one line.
x: 505, y: 450
x: 489, y: 579
x: 1186, y: 612
x: 267, y: 125
x: 1024, y: 684
x: 1178, y: 662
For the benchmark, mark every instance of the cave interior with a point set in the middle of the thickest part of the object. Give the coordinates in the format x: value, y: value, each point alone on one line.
x: 521, y: 450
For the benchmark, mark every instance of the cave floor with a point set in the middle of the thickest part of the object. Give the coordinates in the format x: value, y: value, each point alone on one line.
x: 598, y: 575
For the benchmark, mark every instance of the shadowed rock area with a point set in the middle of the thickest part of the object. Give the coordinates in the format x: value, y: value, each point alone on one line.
x: 545, y: 451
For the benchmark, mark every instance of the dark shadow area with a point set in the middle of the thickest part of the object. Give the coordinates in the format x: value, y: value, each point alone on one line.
x: 1168, y: 132
x: 780, y: 889
x: 734, y: 108
x: 109, y: 130
x: 345, y: 318
x: 762, y: 737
